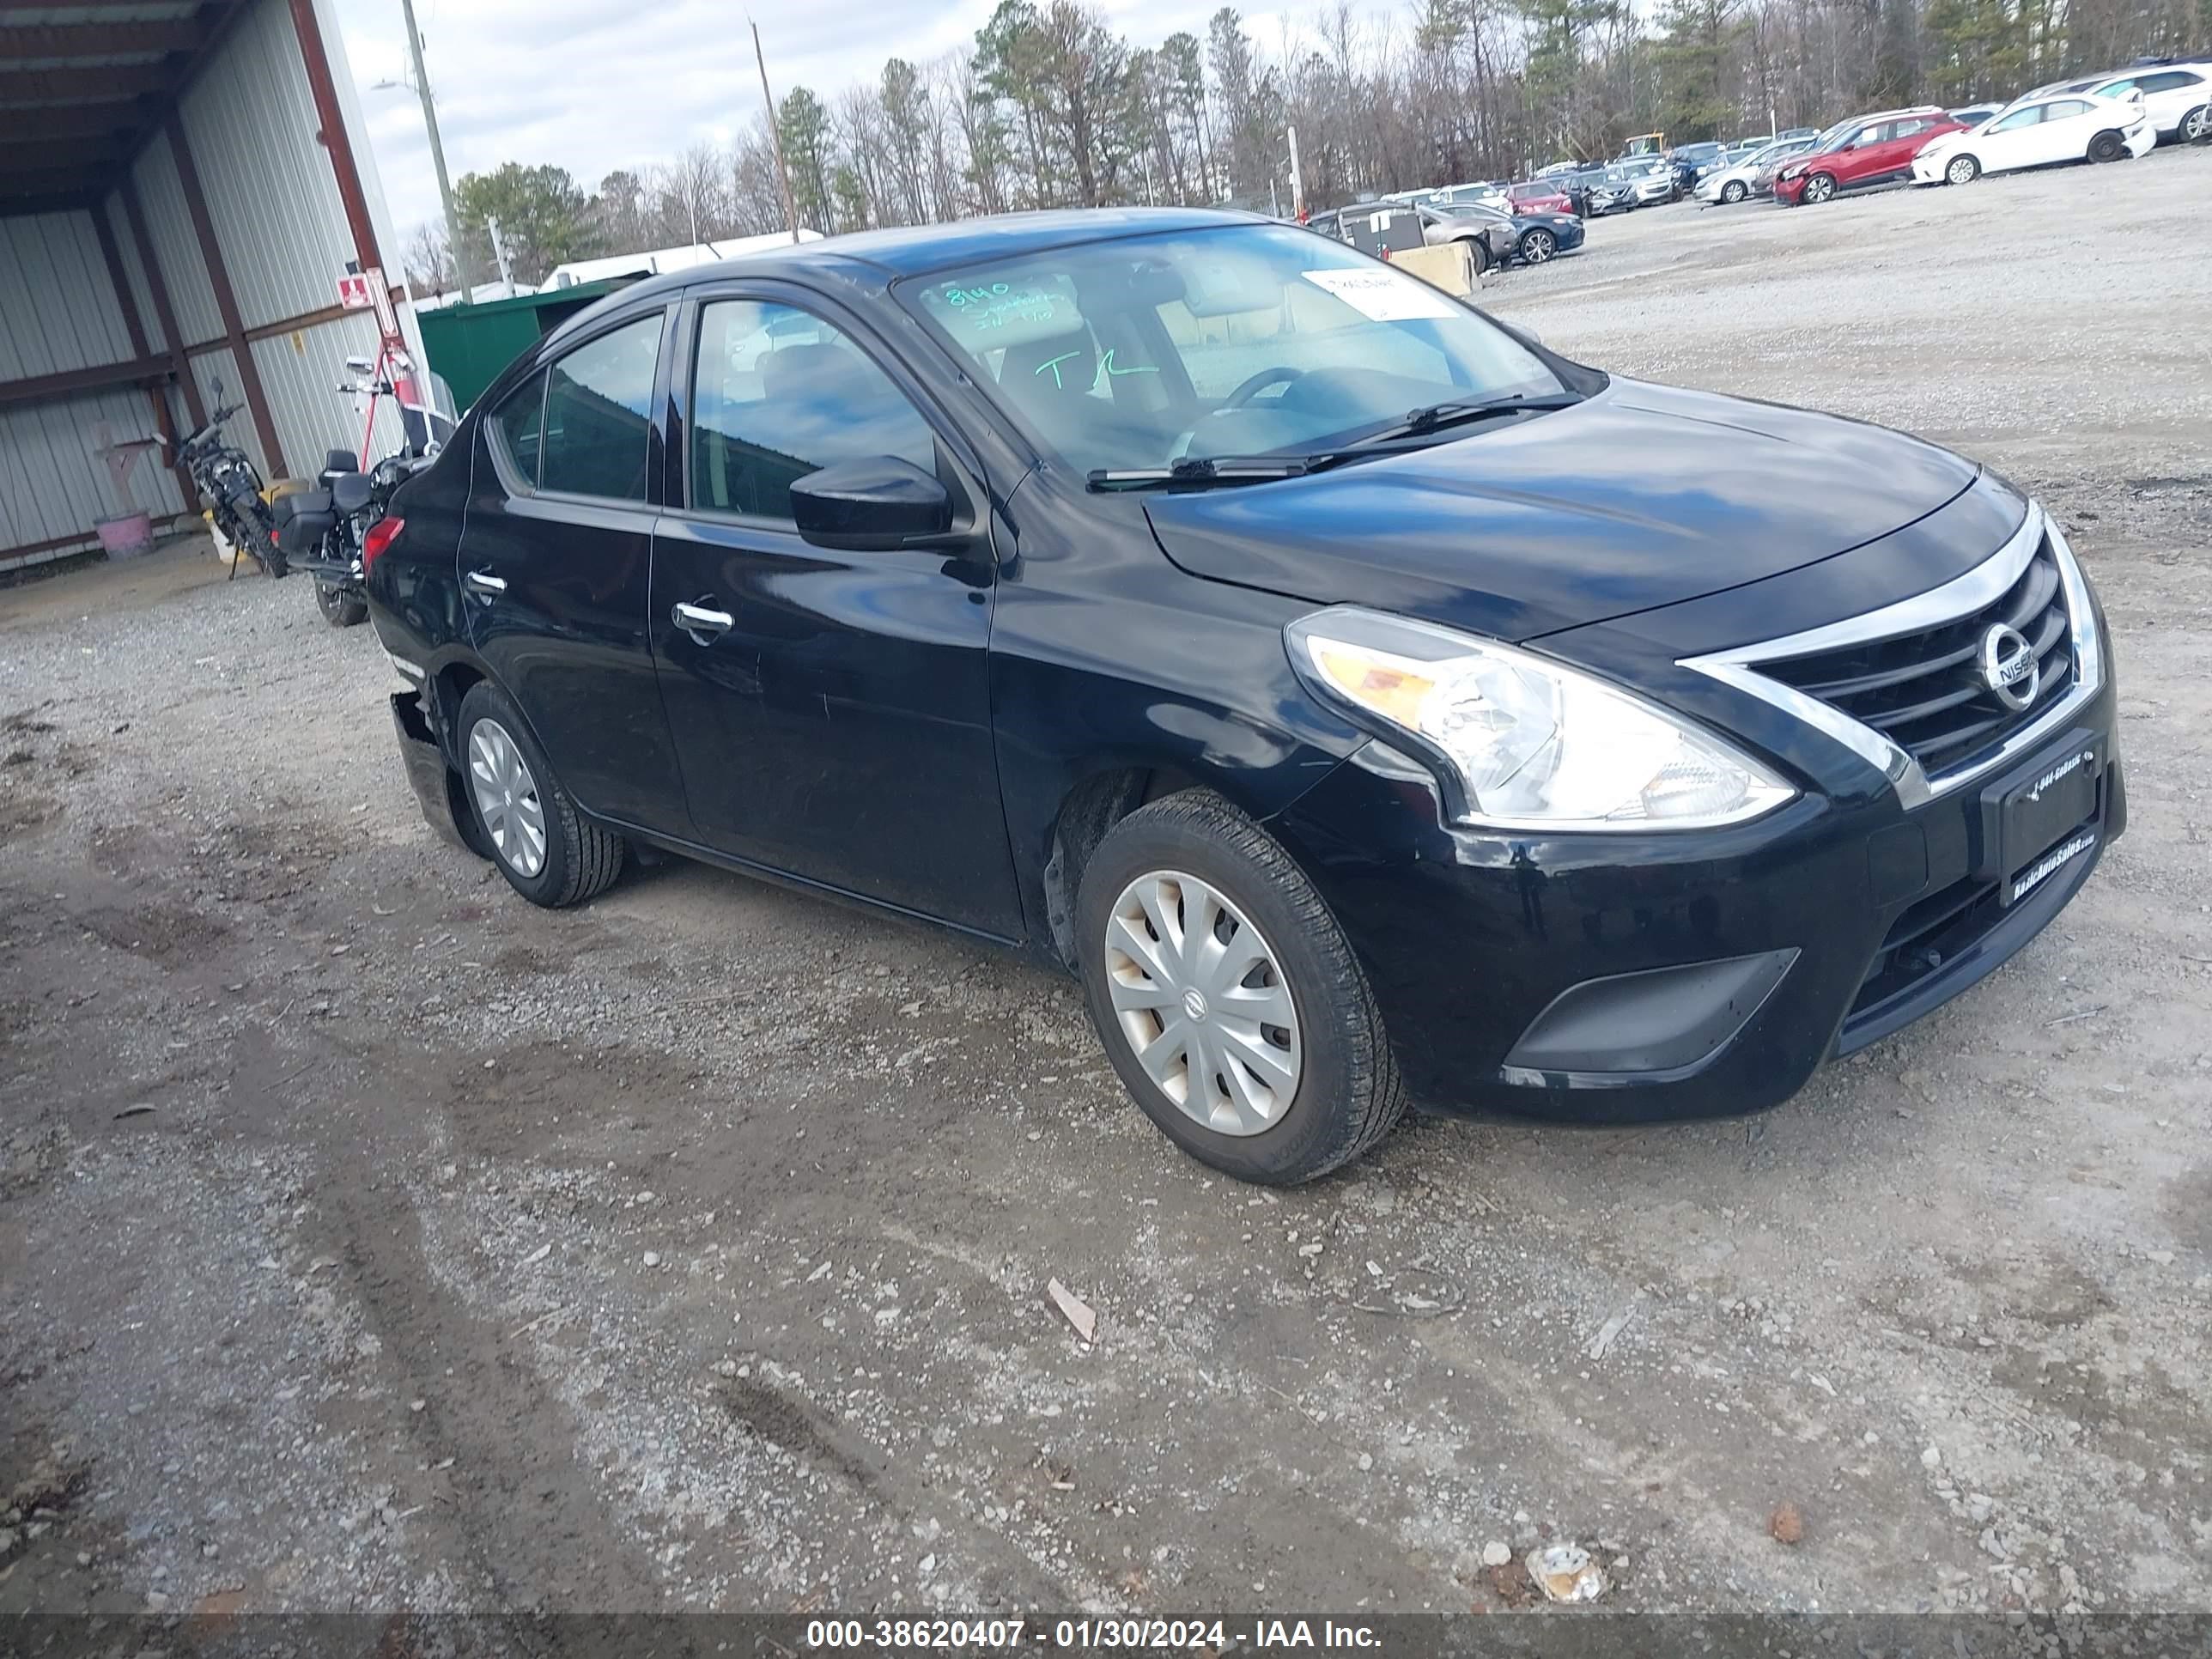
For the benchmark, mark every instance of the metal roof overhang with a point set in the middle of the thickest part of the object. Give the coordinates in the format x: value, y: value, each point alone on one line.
x: 84, y: 86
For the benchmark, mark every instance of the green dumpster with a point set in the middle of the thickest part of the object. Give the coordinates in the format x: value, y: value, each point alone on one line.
x: 470, y: 344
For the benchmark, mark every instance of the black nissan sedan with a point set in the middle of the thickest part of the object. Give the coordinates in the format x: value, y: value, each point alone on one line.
x: 1363, y: 701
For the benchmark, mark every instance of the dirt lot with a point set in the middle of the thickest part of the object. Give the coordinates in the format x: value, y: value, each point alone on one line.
x: 368, y: 1238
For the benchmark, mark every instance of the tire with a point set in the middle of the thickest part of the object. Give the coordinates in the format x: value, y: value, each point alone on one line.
x: 340, y: 609
x: 1537, y: 246
x: 2108, y: 147
x: 2196, y: 126
x: 1961, y: 170
x: 1734, y: 191
x: 575, y: 860
x: 1819, y: 188
x: 1344, y: 1091
x: 1476, y: 252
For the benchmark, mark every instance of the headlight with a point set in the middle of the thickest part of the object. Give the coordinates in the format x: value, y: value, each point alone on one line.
x: 1519, y: 741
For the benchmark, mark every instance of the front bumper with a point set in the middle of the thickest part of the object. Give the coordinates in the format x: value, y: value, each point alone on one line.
x: 1694, y: 973
x: 2142, y: 141
x: 1789, y: 191
x: 1928, y: 169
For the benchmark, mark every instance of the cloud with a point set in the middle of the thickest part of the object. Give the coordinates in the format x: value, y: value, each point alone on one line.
x: 592, y: 86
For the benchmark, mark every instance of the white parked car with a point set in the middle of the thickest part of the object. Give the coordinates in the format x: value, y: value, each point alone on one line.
x: 2176, y: 97
x: 1741, y: 178
x: 2036, y: 133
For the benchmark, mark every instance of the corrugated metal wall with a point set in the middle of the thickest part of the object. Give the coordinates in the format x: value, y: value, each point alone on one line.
x: 53, y: 480
x: 61, y: 309
x: 273, y: 202
x: 61, y: 315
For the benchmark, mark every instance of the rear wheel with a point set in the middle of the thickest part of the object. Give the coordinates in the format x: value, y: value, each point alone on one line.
x: 340, y: 608
x: 1538, y: 246
x: 548, y: 852
x: 2196, y: 126
x: 1227, y: 997
x: 1734, y: 191
x: 1962, y: 170
x: 1820, y: 188
x: 2108, y: 147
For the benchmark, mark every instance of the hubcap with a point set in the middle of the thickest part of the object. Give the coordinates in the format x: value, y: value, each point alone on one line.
x: 2200, y: 122
x: 1818, y: 189
x: 507, y: 799
x: 1962, y: 172
x: 1201, y: 1000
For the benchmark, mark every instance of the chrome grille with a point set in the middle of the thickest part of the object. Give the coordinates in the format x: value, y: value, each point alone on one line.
x: 1924, y: 691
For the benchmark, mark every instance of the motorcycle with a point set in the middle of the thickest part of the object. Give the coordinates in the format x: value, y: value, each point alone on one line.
x: 227, y: 481
x: 322, y: 531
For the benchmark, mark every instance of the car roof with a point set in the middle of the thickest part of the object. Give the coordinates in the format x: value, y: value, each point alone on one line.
x: 908, y: 250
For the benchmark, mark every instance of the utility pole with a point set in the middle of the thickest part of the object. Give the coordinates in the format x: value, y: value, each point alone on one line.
x: 499, y: 251
x: 775, y: 138
x: 437, y: 152
x: 1297, y: 184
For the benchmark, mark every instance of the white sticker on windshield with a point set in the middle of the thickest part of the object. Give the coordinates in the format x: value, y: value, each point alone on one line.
x: 1386, y: 295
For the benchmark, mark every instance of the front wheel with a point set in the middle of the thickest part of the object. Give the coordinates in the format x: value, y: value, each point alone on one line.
x: 1820, y: 188
x: 1538, y: 246
x: 548, y: 852
x: 1227, y: 997
x: 2108, y: 147
x: 1962, y: 170
x: 1733, y: 192
x: 341, y: 607
x: 2196, y: 126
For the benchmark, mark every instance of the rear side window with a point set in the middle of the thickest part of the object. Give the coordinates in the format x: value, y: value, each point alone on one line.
x: 520, y: 422
x: 2167, y: 80
x: 598, y: 403
x: 2072, y: 106
x: 779, y: 393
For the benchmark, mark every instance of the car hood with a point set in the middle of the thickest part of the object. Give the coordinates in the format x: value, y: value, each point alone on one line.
x: 1641, y: 496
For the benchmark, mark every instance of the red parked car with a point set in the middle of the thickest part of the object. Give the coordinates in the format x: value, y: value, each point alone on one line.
x: 1867, y: 150
x: 1541, y: 197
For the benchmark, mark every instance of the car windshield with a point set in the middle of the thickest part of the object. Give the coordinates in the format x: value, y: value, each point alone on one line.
x: 1143, y: 351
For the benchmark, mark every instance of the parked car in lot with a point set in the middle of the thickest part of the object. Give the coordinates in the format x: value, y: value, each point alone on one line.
x: 1595, y: 193
x: 1865, y: 150
x: 1752, y: 175
x: 1492, y: 238
x: 1648, y: 180
x: 2176, y: 97
x: 1344, y: 687
x: 2038, y: 133
x: 1974, y: 114
x: 1546, y: 196
x: 1689, y: 160
x: 1530, y: 239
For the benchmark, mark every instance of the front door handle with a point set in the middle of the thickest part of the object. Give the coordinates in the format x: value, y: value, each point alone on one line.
x: 484, y: 584
x: 703, y: 625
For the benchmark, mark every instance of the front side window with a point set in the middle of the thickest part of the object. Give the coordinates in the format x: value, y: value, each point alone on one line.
x: 599, y: 404
x: 779, y: 393
x: 520, y: 421
x: 1142, y: 351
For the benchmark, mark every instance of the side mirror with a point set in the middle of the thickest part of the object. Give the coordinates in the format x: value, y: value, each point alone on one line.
x: 873, y: 504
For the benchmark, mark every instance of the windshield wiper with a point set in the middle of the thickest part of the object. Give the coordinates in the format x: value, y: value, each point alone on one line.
x: 1437, y: 417
x: 1202, y: 471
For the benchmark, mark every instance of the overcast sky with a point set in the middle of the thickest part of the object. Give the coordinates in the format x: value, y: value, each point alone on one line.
x: 593, y: 85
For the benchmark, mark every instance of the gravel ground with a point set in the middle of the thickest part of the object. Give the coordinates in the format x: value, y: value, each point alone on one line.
x: 369, y: 1239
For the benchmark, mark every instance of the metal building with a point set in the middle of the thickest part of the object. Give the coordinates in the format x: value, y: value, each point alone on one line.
x: 182, y: 182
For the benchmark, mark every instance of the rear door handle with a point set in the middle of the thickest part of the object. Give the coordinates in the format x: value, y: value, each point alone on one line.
x: 703, y: 625
x: 484, y: 583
